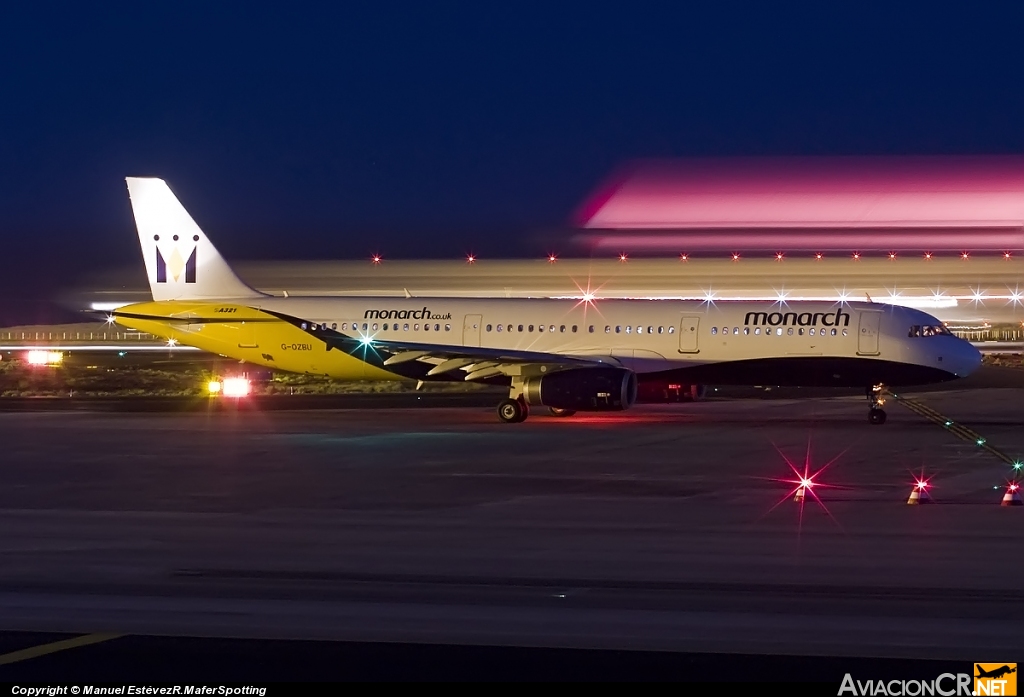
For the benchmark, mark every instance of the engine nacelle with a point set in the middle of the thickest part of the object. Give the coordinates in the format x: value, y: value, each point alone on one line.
x: 664, y: 392
x: 583, y: 389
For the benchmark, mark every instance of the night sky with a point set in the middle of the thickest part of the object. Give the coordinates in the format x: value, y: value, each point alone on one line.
x: 307, y: 131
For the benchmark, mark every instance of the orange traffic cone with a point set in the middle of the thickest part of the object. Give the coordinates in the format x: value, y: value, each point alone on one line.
x: 1012, y: 495
x: 919, y: 494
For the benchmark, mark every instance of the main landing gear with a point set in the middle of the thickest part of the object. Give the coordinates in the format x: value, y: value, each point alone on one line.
x: 876, y: 415
x: 555, y: 411
x: 513, y: 411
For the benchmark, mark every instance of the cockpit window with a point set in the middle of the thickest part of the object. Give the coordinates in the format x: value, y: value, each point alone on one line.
x: 929, y: 330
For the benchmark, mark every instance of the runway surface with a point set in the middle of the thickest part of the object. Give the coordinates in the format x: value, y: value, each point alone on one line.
x: 664, y: 528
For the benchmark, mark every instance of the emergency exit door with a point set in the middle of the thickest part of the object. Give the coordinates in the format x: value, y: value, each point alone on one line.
x: 471, y: 330
x: 247, y: 335
x: 688, y: 328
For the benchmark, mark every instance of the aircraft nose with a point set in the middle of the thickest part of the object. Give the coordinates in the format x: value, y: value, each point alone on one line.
x: 963, y: 359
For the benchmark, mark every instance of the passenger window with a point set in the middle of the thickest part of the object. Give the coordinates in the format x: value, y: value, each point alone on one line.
x: 800, y: 331
x: 364, y: 326
x: 385, y: 326
x: 778, y: 332
x: 812, y: 331
x: 562, y: 329
x: 447, y: 327
x: 844, y: 332
x: 552, y: 328
x: 405, y: 327
x: 671, y: 330
x: 591, y: 328
x: 714, y: 330
x: 540, y: 328
x: 757, y: 330
x: 618, y: 328
x: 344, y: 325
x: 661, y: 330
x: 374, y: 326
x: 416, y: 327
x: 833, y: 332
x: 746, y: 330
x: 500, y: 327
x: 520, y: 327
x: 574, y: 328
x: 607, y: 329
x: 437, y: 327
x: 426, y: 327
x: 531, y: 327
x: 628, y: 329
x: 510, y: 327
x: 639, y: 330
x: 790, y: 331
x: 334, y: 325
x: 488, y: 327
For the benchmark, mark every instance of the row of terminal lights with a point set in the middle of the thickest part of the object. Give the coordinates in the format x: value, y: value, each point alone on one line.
x: 779, y: 256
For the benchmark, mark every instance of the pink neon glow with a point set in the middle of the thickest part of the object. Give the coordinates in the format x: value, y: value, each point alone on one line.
x: 825, y: 203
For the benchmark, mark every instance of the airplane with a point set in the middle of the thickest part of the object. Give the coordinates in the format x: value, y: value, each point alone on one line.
x: 995, y: 673
x: 584, y: 354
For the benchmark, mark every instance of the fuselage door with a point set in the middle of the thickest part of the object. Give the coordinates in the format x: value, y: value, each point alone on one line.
x: 688, y: 334
x: 247, y: 335
x: 867, y: 334
x: 471, y: 330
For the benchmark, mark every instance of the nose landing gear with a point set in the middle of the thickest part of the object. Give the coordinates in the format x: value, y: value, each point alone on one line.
x: 876, y: 415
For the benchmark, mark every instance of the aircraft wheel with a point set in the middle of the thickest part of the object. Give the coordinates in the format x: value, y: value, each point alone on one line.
x: 511, y: 411
x: 555, y: 411
x: 876, y: 417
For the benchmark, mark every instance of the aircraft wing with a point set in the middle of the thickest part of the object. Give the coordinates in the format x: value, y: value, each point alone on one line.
x: 476, y: 361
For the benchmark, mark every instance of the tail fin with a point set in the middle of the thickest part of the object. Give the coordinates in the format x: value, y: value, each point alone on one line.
x: 181, y: 262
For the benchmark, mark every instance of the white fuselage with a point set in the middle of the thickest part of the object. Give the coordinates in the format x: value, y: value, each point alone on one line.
x: 647, y: 336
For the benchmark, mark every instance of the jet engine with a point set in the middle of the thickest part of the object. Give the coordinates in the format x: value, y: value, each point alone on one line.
x: 583, y: 389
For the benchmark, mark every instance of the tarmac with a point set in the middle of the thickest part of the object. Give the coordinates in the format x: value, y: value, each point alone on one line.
x: 662, y: 530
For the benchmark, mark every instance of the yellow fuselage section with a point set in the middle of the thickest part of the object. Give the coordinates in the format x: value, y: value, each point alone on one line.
x: 246, y: 334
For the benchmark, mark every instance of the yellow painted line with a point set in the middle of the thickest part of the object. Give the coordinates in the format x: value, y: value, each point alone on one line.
x: 54, y: 647
x: 959, y: 430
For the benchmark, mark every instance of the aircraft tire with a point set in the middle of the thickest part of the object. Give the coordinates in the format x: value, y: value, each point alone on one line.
x: 876, y: 417
x: 555, y: 411
x: 511, y: 411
